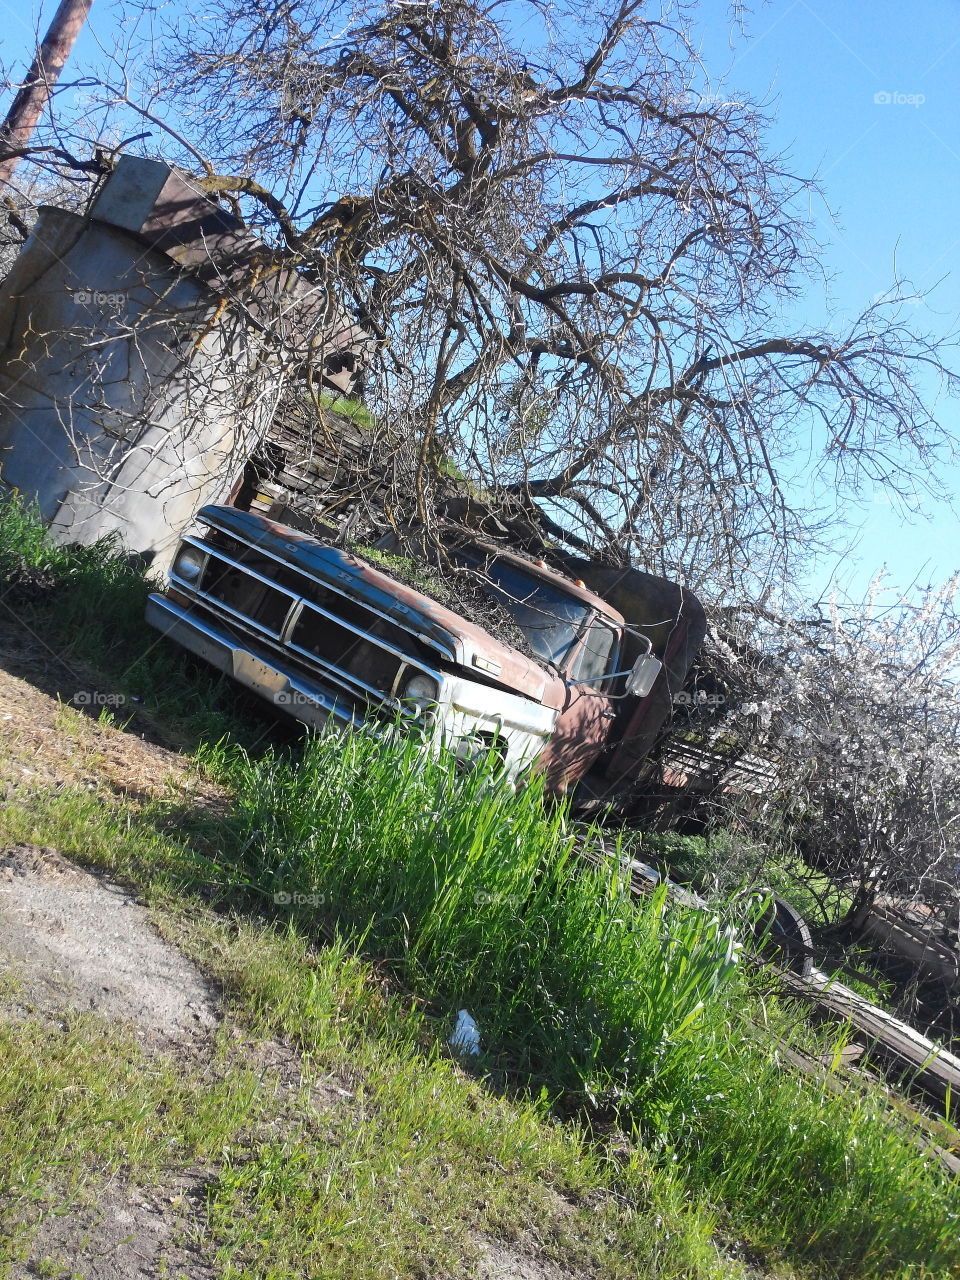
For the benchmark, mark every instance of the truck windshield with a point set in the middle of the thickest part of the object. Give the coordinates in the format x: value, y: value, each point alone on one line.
x: 547, y: 616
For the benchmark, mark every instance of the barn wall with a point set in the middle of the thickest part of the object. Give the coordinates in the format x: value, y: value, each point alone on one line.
x: 132, y: 388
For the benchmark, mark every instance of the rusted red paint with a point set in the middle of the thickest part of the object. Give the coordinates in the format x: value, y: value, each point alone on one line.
x: 674, y: 778
x: 582, y: 731
x: 589, y: 722
x: 582, y: 727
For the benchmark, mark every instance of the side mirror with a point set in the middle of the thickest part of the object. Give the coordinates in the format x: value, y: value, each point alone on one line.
x: 643, y: 675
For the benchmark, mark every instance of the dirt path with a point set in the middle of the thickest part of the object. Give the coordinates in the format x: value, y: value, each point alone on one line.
x: 70, y: 940
x: 51, y: 736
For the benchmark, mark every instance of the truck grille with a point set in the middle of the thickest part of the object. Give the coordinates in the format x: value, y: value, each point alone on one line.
x: 318, y: 629
x: 339, y: 648
x: 230, y: 585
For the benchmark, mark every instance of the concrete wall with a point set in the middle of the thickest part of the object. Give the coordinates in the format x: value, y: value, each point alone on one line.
x: 118, y: 401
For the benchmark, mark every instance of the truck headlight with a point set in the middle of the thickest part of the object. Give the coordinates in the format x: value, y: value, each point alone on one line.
x: 420, y: 693
x: 189, y: 563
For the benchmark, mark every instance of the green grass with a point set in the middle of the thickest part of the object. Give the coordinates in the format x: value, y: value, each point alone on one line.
x: 82, y: 1104
x: 480, y: 898
x: 365, y: 892
x: 616, y: 1010
x: 86, y: 605
x: 830, y: 1184
x: 388, y: 1160
x: 350, y: 408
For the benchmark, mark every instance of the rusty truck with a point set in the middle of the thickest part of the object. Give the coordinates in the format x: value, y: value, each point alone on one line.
x: 580, y: 685
x: 328, y: 637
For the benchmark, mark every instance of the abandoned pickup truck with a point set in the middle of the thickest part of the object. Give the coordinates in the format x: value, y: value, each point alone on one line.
x: 328, y: 638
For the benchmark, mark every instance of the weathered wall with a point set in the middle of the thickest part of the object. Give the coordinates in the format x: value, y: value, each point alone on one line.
x: 115, y: 413
x: 135, y: 373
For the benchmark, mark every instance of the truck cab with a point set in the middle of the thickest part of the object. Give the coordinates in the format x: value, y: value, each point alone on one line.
x: 574, y: 633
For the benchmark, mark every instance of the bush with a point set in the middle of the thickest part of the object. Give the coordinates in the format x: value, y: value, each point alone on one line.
x: 88, y: 602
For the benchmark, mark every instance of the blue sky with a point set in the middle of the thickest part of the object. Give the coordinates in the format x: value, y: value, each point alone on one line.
x: 865, y: 96
x: 891, y: 173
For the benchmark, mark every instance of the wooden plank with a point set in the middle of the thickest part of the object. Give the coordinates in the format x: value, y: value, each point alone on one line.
x: 835, y: 1082
x: 929, y: 1064
x: 912, y: 942
x: 935, y: 1069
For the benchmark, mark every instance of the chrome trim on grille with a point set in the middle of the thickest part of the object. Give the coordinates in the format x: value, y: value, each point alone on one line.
x: 242, y: 568
x: 446, y: 650
x: 219, y: 649
x: 280, y: 639
x: 357, y: 631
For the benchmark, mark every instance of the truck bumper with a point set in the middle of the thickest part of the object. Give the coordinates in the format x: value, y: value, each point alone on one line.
x: 288, y: 691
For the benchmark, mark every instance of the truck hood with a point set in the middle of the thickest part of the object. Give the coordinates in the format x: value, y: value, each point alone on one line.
x: 475, y: 650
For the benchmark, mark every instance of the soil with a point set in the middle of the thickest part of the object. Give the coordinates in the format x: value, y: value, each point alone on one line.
x: 129, y: 1232
x: 52, y: 736
x: 499, y: 1261
x: 69, y: 939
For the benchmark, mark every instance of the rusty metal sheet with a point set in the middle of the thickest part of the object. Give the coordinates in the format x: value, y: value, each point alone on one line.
x: 169, y: 210
x: 673, y: 619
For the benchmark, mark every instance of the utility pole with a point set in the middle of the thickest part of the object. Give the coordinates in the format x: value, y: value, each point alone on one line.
x: 21, y: 119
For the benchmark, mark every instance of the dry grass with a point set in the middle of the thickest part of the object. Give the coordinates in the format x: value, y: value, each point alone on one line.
x: 49, y: 743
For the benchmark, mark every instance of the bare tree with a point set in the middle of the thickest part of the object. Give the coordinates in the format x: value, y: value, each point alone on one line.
x: 573, y: 263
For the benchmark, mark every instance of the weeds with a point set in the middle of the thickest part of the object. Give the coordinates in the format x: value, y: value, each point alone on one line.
x: 482, y: 899
x: 85, y: 604
x: 81, y: 1104
x: 634, y: 1010
x: 387, y: 1159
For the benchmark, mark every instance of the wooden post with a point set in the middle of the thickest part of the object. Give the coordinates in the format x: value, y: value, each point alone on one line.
x: 21, y: 119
